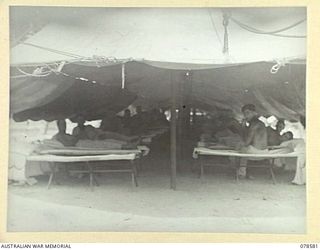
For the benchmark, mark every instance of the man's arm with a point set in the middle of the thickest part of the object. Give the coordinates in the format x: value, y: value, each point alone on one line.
x: 75, y: 131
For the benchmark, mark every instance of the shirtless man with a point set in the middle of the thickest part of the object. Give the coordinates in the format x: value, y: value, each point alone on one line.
x: 255, y: 138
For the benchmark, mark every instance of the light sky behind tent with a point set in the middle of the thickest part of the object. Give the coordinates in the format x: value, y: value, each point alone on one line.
x: 184, y: 35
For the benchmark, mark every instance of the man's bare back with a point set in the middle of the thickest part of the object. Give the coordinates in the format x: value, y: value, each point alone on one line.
x: 257, y: 134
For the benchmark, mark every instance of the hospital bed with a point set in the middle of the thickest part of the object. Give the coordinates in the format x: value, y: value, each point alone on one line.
x: 202, y: 154
x: 122, y: 160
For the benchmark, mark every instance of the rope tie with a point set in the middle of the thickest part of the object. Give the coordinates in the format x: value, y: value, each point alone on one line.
x: 60, y: 67
x: 274, y: 69
x: 38, y: 72
x: 271, y: 33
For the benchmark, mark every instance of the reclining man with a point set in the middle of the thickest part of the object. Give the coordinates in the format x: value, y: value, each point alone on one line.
x: 64, y: 138
x: 298, y: 146
x: 104, y: 139
x: 274, y: 136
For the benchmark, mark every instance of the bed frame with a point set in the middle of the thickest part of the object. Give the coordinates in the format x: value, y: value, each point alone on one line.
x: 127, y: 161
x: 202, y: 154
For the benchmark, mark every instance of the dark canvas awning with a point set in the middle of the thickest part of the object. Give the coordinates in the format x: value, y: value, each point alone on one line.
x: 59, y: 97
x: 100, y: 92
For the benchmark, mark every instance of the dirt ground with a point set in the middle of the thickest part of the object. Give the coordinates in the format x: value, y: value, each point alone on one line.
x: 215, y: 204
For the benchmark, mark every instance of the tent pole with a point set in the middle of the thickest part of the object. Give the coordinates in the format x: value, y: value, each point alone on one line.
x: 179, y: 102
x: 173, y: 131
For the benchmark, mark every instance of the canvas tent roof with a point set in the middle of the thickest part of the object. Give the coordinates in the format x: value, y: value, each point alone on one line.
x: 185, y: 35
x: 157, y: 45
x: 281, y: 94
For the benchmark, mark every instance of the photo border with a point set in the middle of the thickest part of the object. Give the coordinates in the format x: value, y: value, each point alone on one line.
x: 312, y: 130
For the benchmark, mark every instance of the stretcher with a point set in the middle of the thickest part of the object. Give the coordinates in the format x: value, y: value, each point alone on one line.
x: 202, y: 153
x: 127, y: 161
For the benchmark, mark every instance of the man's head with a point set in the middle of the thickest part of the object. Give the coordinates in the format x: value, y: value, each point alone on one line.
x: 287, y: 136
x: 249, y: 111
x: 127, y: 113
x: 280, y: 125
x: 80, y: 120
x: 62, y: 125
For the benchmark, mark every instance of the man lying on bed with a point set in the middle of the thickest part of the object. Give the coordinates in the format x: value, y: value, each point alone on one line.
x: 64, y: 138
x: 297, y: 146
x: 90, y: 137
x: 274, y: 135
x: 88, y: 132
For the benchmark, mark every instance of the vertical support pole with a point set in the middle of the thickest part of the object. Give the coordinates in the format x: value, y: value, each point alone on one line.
x: 180, y: 127
x: 185, y: 115
x: 173, y: 131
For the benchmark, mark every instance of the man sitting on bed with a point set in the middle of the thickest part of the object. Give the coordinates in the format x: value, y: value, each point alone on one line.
x: 62, y: 136
x: 255, y: 138
x: 255, y: 135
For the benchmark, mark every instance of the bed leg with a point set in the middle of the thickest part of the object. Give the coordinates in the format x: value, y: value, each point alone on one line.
x: 134, y: 174
x: 272, y: 173
x: 95, y: 180
x: 237, y: 166
x: 90, y: 175
x: 138, y: 168
x: 52, y: 174
x: 201, y: 168
x: 56, y: 169
x: 237, y: 175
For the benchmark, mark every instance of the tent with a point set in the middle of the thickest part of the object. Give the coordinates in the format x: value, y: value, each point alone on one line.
x: 208, y: 57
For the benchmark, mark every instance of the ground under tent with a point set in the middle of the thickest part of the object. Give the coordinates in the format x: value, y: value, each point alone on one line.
x: 94, y: 92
